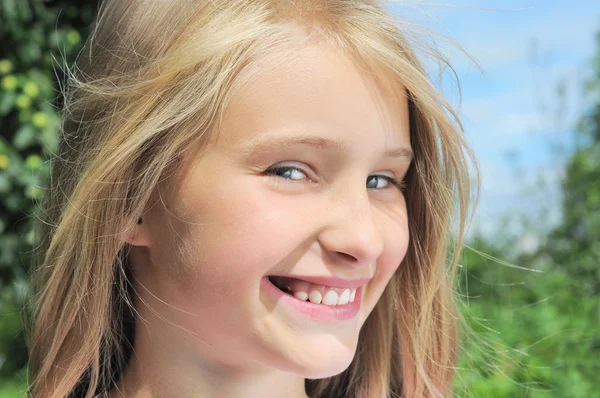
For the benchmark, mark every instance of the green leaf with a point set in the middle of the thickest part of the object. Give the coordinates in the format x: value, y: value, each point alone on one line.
x: 24, y: 137
x: 24, y: 11
x: 49, y: 138
x: 33, y: 162
x: 31, y: 88
x: 43, y: 81
x: 23, y: 101
x: 73, y: 37
x: 7, y: 102
x: 10, y: 9
x: 39, y: 119
x: 13, y: 201
x: 4, y: 161
x: 27, y: 178
x: 34, y: 192
x: 31, y: 52
x: 5, y: 183
x: 9, y: 83
x: 13, y: 389
x: 5, y: 66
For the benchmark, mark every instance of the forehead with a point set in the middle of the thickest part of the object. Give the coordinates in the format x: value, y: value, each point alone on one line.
x: 314, y: 88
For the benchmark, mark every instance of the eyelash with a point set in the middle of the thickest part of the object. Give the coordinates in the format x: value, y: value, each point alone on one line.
x: 399, y: 184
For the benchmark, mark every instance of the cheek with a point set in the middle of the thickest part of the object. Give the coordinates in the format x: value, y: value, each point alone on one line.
x: 396, y: 244
x: 231, y: 234
x: 211, y: 251
x: 219, y: 243
x: 397, y: 241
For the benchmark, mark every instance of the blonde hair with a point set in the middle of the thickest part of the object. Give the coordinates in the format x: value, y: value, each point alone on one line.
x: 151, y: 84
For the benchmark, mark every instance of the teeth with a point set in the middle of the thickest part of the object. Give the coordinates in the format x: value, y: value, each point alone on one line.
x: 301, y: 295
x: 316, y: 294
x: 315, y: 297
x: 344, y: 297
x: 331, y: 298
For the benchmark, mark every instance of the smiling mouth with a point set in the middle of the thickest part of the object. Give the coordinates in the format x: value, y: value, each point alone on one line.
x: 315, y: 293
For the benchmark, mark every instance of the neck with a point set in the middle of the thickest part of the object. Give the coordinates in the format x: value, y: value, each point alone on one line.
x: 156, y: 369
x: 136, y: 383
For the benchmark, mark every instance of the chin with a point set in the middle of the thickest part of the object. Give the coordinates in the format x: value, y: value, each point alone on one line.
x: 328, y: 365
x: 330, y: 370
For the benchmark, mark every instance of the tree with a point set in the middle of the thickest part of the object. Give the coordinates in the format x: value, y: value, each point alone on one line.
x: 537, y: 318
x: 35, y: 37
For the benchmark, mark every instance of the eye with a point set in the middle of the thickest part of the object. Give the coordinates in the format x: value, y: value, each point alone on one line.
x: 389, y: 180
x: 297, y: 174
x: 287, y: 172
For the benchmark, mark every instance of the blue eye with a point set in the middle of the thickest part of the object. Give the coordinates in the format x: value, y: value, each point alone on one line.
x: 289, y: 173
x: 285, y: 172
x: 396, y: 183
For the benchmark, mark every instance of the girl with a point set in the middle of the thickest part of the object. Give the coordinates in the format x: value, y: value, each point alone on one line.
x: 250, y: 199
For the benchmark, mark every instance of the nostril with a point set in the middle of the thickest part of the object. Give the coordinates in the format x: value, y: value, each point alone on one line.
x: 347, y: 257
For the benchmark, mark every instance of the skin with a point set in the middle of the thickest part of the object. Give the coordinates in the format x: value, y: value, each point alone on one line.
x: 205, y: 326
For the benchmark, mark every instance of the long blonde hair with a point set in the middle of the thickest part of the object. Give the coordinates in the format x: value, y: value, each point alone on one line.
x: 152, y: 83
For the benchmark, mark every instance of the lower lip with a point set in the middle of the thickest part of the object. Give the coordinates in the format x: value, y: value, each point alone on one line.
x: 328, y: 313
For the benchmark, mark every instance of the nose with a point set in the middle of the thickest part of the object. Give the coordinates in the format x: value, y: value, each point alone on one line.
x: 351, y: 233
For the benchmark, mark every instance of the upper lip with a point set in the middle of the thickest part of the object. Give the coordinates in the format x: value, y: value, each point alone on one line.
x: 330, y: 281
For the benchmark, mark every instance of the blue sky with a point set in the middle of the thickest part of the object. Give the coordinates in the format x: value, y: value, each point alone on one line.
x: 514, y: 118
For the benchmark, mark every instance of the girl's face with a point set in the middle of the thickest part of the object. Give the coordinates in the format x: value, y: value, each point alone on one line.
x: 297, y: 183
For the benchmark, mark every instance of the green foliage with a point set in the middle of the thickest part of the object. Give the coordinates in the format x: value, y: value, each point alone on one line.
x: 36, y: 38
x: 13, y: 389
x: 538, y: 326
x: 536, y: 330
x: 575, y: 245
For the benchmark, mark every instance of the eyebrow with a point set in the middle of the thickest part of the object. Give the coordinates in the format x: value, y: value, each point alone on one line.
x: 264, y: 144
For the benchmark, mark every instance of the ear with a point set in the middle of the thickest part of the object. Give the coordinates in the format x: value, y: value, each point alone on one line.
x: 139, y: 236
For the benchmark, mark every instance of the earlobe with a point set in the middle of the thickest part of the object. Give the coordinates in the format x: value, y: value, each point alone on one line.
x: 139, y: 236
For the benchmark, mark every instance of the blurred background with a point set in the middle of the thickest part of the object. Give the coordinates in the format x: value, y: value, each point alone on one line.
x: 529, y: 278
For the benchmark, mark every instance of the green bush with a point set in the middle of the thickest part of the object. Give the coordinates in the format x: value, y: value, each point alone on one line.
x: 541, y: 326
x: 37, y: 38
